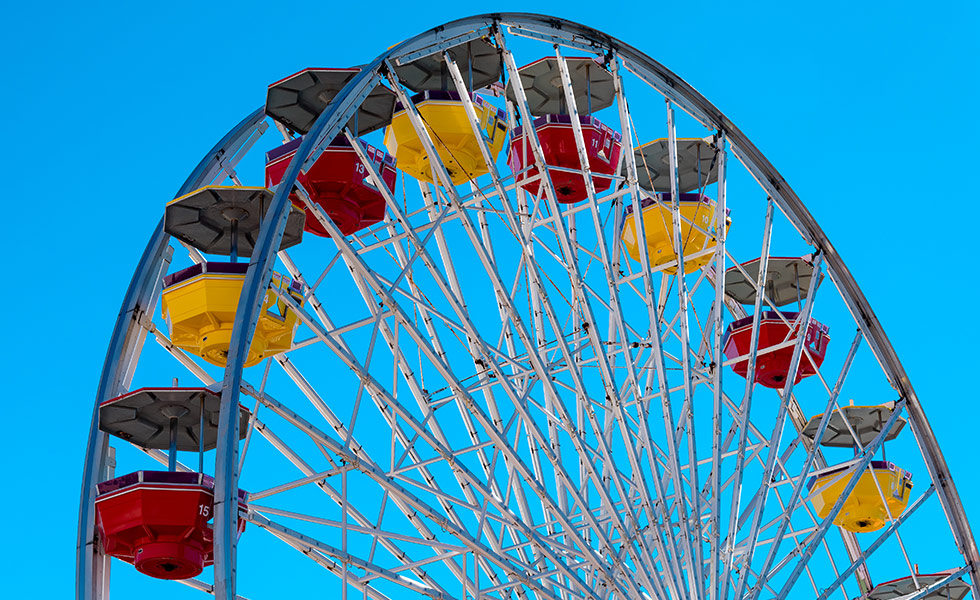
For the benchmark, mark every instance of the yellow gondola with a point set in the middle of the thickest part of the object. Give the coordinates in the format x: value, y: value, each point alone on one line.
x: 863, y: 510
x: 445, y: 118
x: 200, y: 303
x: 697, y: 227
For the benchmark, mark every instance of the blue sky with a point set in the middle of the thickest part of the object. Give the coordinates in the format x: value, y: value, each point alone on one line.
x: 866, y: 109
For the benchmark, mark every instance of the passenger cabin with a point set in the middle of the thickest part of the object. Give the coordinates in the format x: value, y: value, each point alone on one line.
x: 696, y: 168
x: 697, y: 218
x: 777, y: 337
x: 451, y: 133
x: 788, y: 280
x: 553, y: 127
x: 200, y: 303
x: 439, y: 104
x: 159, y: 520
x: 882, y: 491
x: 865, y: 508
x: 338, y: 182
x: 603, y: 146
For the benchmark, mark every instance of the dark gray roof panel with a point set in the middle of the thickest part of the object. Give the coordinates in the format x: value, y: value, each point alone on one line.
x: 204, y: 218
x: 867, y: 422
x: 298, y: 100
x: 899, y: 588
x: 431, y: 72
x: 143, y: 417
x: 545, y: 96
x: 696, y: 165
x: 787, y: 280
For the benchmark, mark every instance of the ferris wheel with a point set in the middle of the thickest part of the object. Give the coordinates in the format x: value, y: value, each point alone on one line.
x: 509, y: 312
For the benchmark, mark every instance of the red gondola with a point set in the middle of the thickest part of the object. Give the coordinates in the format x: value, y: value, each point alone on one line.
x: 338, y: 182
x: 158, y: 521
x: 555, y: 133
x: 772, y: 367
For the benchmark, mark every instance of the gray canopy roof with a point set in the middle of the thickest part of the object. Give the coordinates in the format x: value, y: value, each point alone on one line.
x: 477, y: 57
x: 545, y: 96
x: 204, y: 218
x: 787, y: 280
x: 696, y: 165
x: 298, y: 100
x: 892, y: 590
x: 867, y: 422
x: 143, y: 417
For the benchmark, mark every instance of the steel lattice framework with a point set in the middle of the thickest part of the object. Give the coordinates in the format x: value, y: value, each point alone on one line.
x: 492, y: 401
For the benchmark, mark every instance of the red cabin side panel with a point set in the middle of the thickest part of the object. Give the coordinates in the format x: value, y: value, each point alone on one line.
x: 158, y: 521
x: 557, y: 138
x: 772, y: 368
x: 163, y: 530
x: 339, y: 183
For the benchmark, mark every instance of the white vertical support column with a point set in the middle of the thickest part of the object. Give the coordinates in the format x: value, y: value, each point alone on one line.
x: 261, y: 263
x: 743, y: 432
x: 695, y: 559
x: 523, y: 506
x: 671, y: 558
x: 456, y: 289
x: 583, y: 156
x: 577, y: 299
x: 576, y: 348
x: 721, y: 234
x: 344, y: 504
x: 615, y: 321
x: 577, y: 440
x: 357, y: 264
x: 391, y: 339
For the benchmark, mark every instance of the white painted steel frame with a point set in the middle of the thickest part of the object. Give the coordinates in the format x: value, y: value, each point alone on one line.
x: 676, y: 555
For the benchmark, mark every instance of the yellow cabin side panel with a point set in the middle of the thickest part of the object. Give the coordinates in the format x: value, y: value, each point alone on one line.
x: 863, y: 510
x: 658, y: 225
x: 452, y: 135
x: 201, y: 314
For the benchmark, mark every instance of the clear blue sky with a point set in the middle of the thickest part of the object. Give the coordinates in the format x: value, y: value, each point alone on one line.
x: 867, y: 109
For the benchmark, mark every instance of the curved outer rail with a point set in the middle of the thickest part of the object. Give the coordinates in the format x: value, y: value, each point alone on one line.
x: 326, y: 127
x: 124, y: 348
